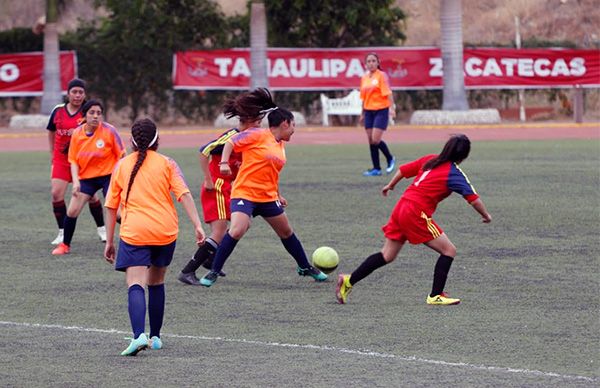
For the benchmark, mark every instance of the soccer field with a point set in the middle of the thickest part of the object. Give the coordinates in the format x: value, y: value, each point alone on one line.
x: 528, y: 317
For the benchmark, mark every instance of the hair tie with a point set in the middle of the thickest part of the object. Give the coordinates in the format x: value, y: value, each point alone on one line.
x: 265, y: 111
x: 151, y: 143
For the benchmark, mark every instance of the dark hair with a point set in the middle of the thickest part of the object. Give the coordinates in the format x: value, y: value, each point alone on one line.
x: 76, y: 82
x: 456, y: 150
x: 142, y: 133
x: 280, y: 115
x: 250, y: 106
x: 89, y: 104
x: 376, y: 56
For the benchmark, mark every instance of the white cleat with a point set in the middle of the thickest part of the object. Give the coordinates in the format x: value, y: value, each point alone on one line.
x: 102, y: 233
x: 59, y: 238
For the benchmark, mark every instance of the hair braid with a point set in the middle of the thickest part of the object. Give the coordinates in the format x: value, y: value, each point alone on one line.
x: 142, y: 132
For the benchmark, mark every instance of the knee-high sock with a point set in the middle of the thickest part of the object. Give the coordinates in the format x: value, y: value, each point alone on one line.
x: 440, y: 274
x: 370, y: 264
x: 204, y: 252
x: 374, y: 148
x: 386, y: 151
x: 294, y: 248
x: 96, y: 210
x: 223, y: 252
x: 60, y: 212
x: 156, y: 308
x: 137, y: 309
x: 70, y: 223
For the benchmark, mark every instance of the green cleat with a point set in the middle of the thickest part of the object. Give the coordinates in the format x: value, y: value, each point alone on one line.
x: 209, y: 279
x: 312, y: 272
x: 136, y: 345
x: 155, y: 343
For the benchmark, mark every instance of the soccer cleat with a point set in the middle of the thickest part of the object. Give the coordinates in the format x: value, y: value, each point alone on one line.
x: 59, y: 238
x: 61, y: 249
x: 343, y: 288
x: 442, y: 300
x: 209, y: 279
x: 372, y: 172
x: 136, y: 345
x: 312, y: 272
x: 188, y: 278
x: 391, y: 166
x: 102, y: 233
x: 155, y: 343
x: 208, y: 265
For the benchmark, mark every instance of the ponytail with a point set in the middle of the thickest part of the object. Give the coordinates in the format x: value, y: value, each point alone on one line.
x: 455, y: 150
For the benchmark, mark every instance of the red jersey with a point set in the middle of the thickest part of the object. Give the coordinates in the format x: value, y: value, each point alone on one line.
x: 432, y: 186
x: 63, y: 124
x: 215, y: 149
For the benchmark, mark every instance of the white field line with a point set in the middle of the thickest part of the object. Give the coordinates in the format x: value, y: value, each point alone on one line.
x: 358, y: 352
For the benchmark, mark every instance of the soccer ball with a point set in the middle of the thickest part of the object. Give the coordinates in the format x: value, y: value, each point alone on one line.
x: 326, y: 259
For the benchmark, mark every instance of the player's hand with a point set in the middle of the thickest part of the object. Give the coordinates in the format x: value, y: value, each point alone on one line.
x: 361, y: 119
x: 109, y: 252
x: 209, y: 185
x: 76, y: 189
x: 225, y: 169
x: 283, y: 201
x: 200, y: 236
x: 386, y: 189
x: 487, y: 219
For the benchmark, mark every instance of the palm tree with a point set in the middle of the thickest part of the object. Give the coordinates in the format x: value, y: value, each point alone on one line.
x: 258, y: 45
x: 455, y: 97
x: 52, y: 89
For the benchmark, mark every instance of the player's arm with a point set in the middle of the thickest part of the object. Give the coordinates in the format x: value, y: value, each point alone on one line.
x: 51, y: 127
x: 51, y: 137
x: 208, y: 182
x: 392, y: 183
x: 225, y: 155
x: 190, y: 208
x: 480, y: 208
x: 109, y: 248
x: 75, y: 176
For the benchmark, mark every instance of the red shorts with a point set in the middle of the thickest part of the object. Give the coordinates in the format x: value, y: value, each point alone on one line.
x: 409, y: 223
x: 215, y: 203
x: 61, y: 168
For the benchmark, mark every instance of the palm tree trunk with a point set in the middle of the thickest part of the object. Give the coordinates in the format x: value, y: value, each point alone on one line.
x: 52, y: 90
x: 258, y: 45
x: 455, y: 97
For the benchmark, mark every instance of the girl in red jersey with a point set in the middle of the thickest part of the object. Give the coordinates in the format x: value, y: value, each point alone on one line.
x: 141, y: 186
x: 256, y: 188
x: 215, y: 193
x: 94, y: 150
x: 378, y: 107
x: 63, y: 121
x: 436, y: 177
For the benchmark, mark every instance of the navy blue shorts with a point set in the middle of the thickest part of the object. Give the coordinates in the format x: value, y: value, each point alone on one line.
x: 253, y: 209
x: 90, y: 186
x: 377, y: 118
x: 144, y: 255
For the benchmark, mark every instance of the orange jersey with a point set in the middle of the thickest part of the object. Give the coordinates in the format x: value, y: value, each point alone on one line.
x: 263, y: 158
x: 149, y: 216
x: 96, y: 154
x: 374, y: 90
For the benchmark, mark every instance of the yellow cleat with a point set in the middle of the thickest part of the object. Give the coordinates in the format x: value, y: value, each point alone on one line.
x: 442, y: 300
x: 343, y: 288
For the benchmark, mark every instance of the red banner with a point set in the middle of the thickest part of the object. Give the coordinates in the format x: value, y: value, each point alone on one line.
x: 21, y: 74
x: 408, y: 68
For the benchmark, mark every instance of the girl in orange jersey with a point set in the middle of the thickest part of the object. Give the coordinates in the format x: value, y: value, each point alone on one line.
x: 377, y: 100
x: 94, y: 149
x: 215, y: 193
x: 256, y: 188
x: 141, y: 186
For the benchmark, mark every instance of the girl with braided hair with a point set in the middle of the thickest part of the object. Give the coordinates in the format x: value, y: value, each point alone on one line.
x: 256, y: 189
x: 141, y: 187
x: 215, y: 193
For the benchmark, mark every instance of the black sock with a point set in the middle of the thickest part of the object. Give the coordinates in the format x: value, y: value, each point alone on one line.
x: 440, y: 273
x: 96, y: 210
x: 375, y: 156
x: 70, y: 223
x: 370, y: 264
x: 60, y: 211
x: 386, y: 151
x: 205, y: 251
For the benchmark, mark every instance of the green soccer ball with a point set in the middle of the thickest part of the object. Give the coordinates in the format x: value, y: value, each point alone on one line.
x: 326, y: 259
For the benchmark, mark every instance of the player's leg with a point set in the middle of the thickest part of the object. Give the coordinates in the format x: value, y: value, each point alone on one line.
x: 161, y: 258
x: 380, y: 125
x: 75, y: 206
x: 447, y: 251
x: 58, y: 189
x: 204, y: 253
x: 373, y: 149
x: 97, y: 212
x: 137, y: 279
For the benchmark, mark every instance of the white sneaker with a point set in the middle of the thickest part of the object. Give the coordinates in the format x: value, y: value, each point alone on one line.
x: 102, y: 233
x: 59, y: 238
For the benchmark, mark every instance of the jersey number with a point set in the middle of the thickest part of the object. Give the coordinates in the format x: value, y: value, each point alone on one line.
x: 422, y: 177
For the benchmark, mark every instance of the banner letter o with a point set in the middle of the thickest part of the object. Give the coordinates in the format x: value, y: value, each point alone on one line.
x: 9, y: 72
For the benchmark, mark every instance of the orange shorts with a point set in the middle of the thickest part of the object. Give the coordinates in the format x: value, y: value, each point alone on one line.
x: 409, y: 223
x: 61, y: 169
x: 215, y: 203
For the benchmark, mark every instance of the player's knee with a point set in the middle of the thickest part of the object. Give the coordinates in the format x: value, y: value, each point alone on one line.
x: 237, y: 232
x: 57, y: 195
x: 449, y: 250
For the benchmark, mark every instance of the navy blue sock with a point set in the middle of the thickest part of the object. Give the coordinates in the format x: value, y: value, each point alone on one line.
x: 60, y: 212
x: 294, y: 248
x: 96, y: 210
x: 156, y: 308
x: 70, y: 223
x: 386, y: 151
x: 374, y: 148
x: 370, y: 264
x: 227, y: 246
x: 137, y: 309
